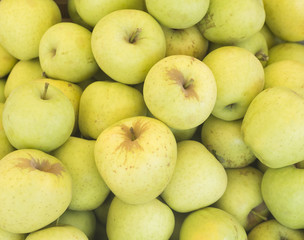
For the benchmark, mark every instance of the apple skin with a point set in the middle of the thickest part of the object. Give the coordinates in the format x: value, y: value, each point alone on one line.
x: 2, y: 86
x: 36, y: 189
x: 136, y: 158
x: 153, y: 220
x: 286, y: 51
x: 127, y: 43
x: 29, y: 121
x: 273, y: 127
x: 4, y: 235
x: 186, y: 85
x: 65, y: 53
x: 7, y: 62
x: 21, y: 32
x: 72, y: 11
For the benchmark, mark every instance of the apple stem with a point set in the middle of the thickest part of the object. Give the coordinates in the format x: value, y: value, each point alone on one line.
x: 188, y: 83
x: 46, y: 86
x: 133, y: 137
x: 259, y: 215
x: 261, y: 56
x: 134, y: 35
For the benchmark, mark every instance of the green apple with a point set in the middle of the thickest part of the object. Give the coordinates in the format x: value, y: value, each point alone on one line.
x: 225, y: 141
x: 23, y: 22
x: 180, y: 90
x: 127, y: 43
x: 65, y: 53
x: 2, y: 86
x: 24, y: 71
x: 273, y: 127
x: 291, y: 77
x: 36, y: 189
x: 286, y: 51
x: 272, y: 230
x: 183, y: 134
x: 271, y: 39
x: 101, y: 212
x: 286, y: 19
x: 89, y: 189
x: 73, y: 14
x: 188, y: 41
x: 177, y: 14
x: 153, y: 220
x: 58, y: 232
x: 198, y: 181
x: 232, y: 21
x: 91, y: 11
x: 103, y: 103
x: 211, y: 223
x: 239, y: 77
x: 7, y: 62
x: 283, y: 191
x: 136, y: 158
x: 243, y: 198
x: 4, y: 235
x: 38, y: 115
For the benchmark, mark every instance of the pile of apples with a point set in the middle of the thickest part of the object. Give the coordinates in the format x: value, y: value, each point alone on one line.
x: 152, y: 120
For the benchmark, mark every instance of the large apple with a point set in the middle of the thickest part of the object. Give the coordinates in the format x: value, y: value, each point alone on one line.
x: 7, y: 62
x: 38, y: 115
x: 36, y: 189
x: 127, y: 43
x: 136, y: 158
x: 181, y: 91
x: 23, y: 22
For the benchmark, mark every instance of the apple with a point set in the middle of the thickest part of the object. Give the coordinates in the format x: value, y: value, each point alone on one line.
x: 89, y: 189
x: 153, y: 220
x: 4, y: 235
x: 91, y: 11
x: 198, y: 181
x: 65, y: 53
x: 225, y: 141
x: 58, y: 232
x: 38, y: 115
x: 103, y: 103
x: 127, y: 43
x: 188, y: 41
x: 273, y: 127
x: 101, y: 212
x: 271, y: 39
x: 232, y: 21
x: 74, y: 15
x: 2, y: 86
x: 183, y: 134
x: 286, y: 51
x: 177, y: 14
x: 23, y: 71
x: 211, y: 223
x: 136, y: 158
x: 7, y: 62
x: 180, y: 90
x: 239, y: 77
x: 36, y: 189
x: 23, y: 22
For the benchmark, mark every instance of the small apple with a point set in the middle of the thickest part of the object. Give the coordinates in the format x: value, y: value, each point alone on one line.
x: 127, y: 43
x: 286, y: 51
x: 36, y: 189
x: 7, y: 62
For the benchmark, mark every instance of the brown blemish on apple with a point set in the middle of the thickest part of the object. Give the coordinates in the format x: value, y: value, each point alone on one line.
x: 185, y: 84
x: 208, y: 22
x: 40, y: 164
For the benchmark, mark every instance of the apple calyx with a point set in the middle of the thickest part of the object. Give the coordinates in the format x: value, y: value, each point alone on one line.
x: 46, y: 86
x: 134, y: 36
x: 257, y: 215
x: 230, y: 106
x: 262, y: 56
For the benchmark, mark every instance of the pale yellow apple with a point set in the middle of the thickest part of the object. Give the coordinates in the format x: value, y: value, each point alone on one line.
x: 2, y: 86
x: 23, y: 22
x: 7, y: 62
x: 4, y: 235
x: 286, y: 51
x: 136, y: 158
x: 36, y: 189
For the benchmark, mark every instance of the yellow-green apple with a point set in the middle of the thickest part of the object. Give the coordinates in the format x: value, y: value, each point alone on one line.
x: 89, y: 189
x: 286, y: 73
x: 4, y: 235
x: 180, y: 90
x: 183, y: 134
x: 2, y: 86
x: 65, y: 53
x: 239, y: 77
x: 103, y: 103
x: 136, y: 158
x: 58, y: 232
x: 38, y: 115
x: 282, y: 191
x: 36, y: 189
x: 198, y: 181
x: 232, y: 21
x: 153, y: 220
x: 273, y: 127
x: 24, y: 71
x: 243, y: 198
x: 101, y: 212
x: 271, y: 39
x: 177, y: 14
x: 74, y: 16
x: 7, y: 62
x: 225, y: 141
x: 5, y: 145
x: 127, y: 43
x: 286, y: 19
x: 273, y: 230
x: 23, y: 22
x: 91, y: 11
x: 286, y: 51
x: 211, y: 223
x: 188, y: 41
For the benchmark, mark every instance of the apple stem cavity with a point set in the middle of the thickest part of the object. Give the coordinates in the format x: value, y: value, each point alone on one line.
x: 134, y: 35
x: 188, y: 83
x: 46, y: 86
x: 262, y: 56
